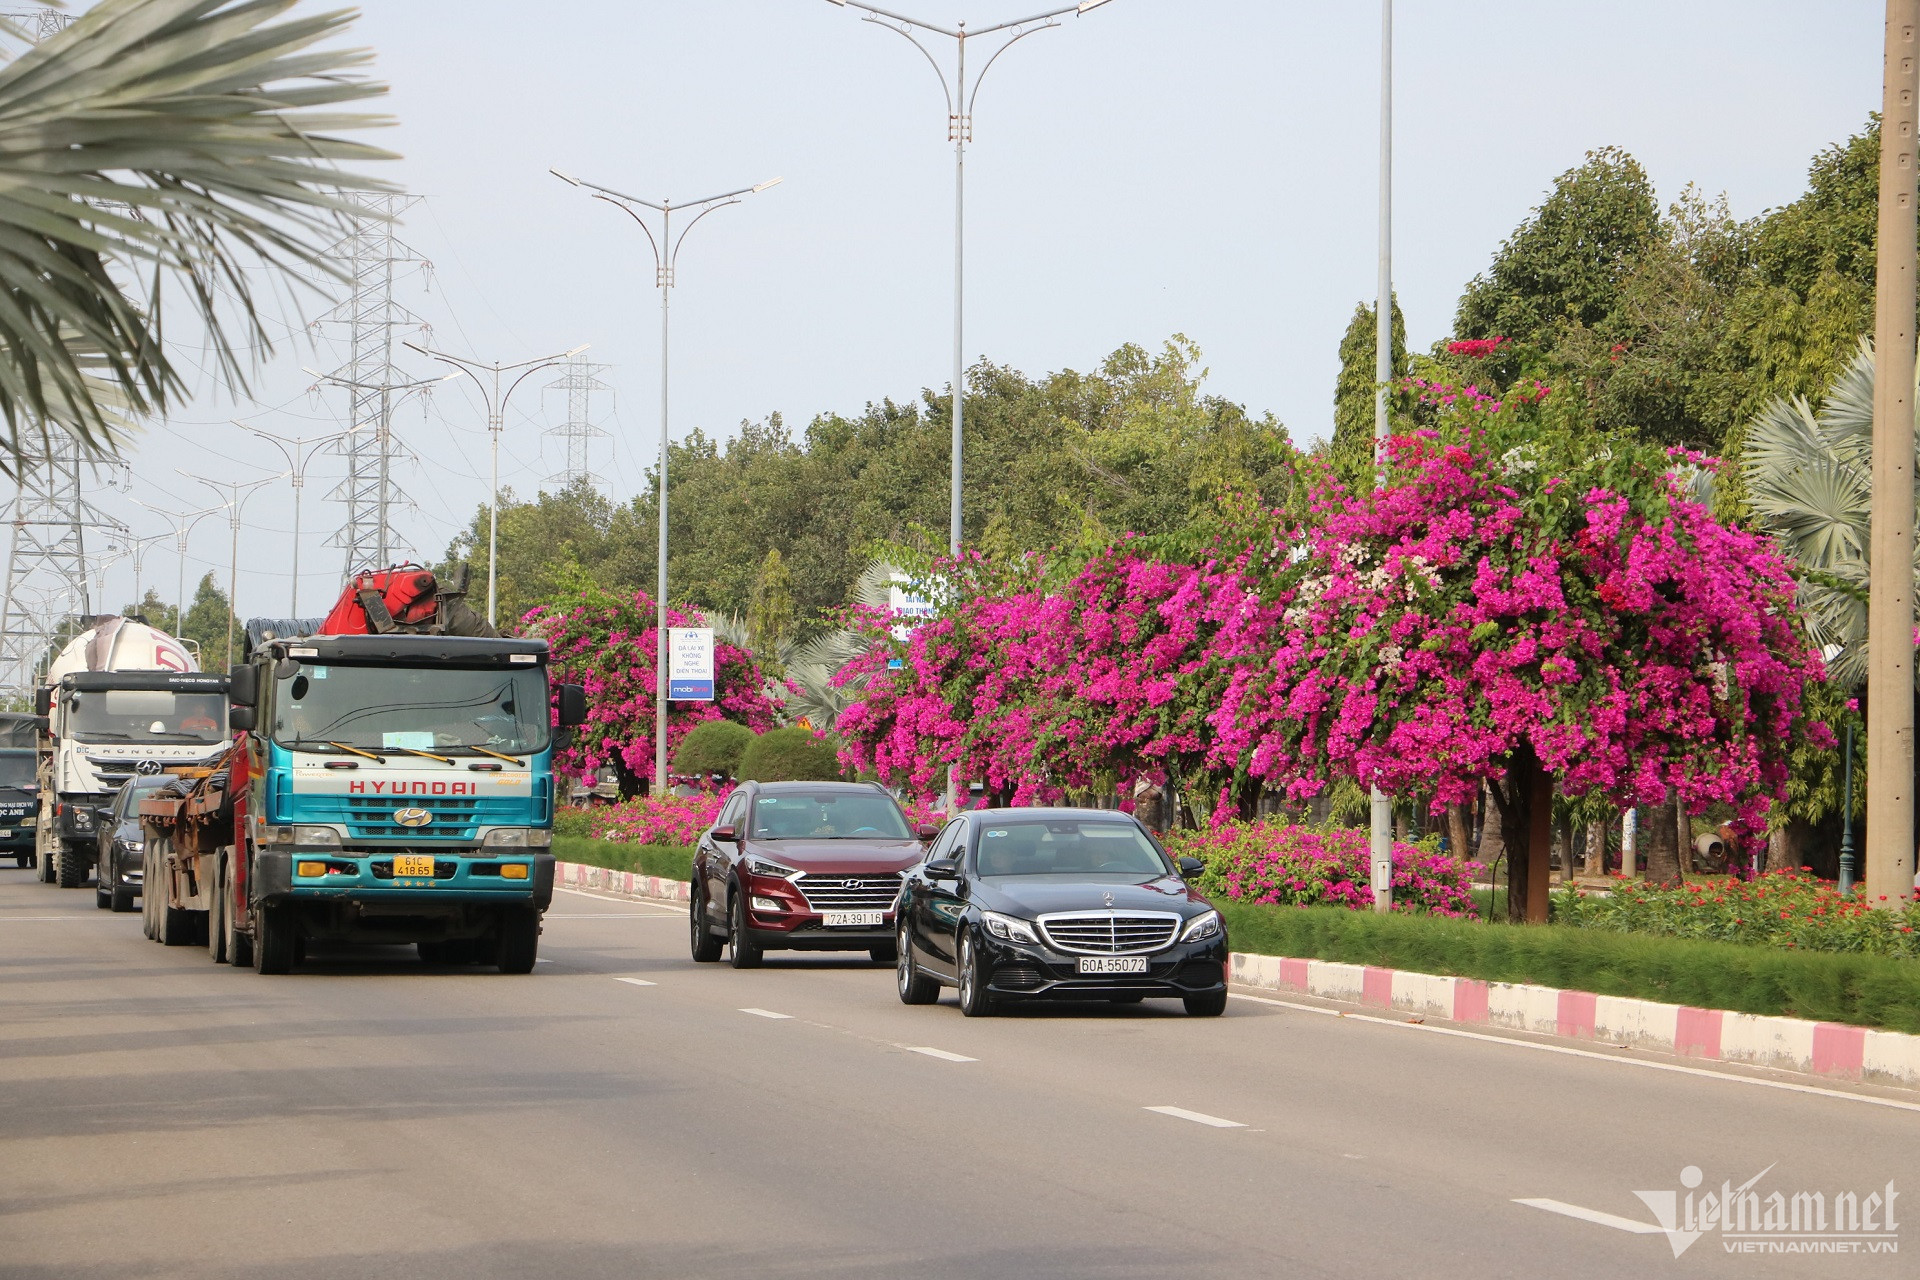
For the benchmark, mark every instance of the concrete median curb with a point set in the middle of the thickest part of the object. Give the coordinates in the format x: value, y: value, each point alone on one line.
x: 1829, y: 1049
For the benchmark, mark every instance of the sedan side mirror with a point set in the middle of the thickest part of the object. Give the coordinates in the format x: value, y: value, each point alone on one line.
x: 943, y: 869
x: 1191, y: 868
x: 926, y: 831
x: 726, y: 835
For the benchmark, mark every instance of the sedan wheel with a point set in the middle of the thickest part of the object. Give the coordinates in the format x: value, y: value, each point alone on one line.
x: 914, y: 987
x: 975, y: 1000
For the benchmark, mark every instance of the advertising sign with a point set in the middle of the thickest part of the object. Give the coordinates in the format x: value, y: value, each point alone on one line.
x: 690, y: 664
x: 906, y: 605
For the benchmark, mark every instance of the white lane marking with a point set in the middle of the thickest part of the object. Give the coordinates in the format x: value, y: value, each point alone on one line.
x: 543, y: 960
x: 627, y: 902
x: 22, y: 919
x: 941, y: 1054
x: 637, y: 982
x: 1198, y: 1117
x: 1594, y: 1215
x: 1675, y: 1067
x: 609, y: 915
x: 767, y: 1013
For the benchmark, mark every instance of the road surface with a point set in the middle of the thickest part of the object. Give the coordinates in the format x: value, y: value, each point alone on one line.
x: 623, y: 1112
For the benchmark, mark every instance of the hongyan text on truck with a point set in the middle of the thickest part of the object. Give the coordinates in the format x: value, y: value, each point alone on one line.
x: 383, y: 788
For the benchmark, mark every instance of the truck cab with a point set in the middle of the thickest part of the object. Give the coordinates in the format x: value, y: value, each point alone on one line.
x: 396, y: 788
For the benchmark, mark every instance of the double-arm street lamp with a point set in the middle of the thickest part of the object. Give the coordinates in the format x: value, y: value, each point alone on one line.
x: 299, y: 451
x: 182, y: 522
x: 388, y: 404
x: 960, y: 99
x: 496, y: 415
x: 666, y: 252
x: 237, y: 493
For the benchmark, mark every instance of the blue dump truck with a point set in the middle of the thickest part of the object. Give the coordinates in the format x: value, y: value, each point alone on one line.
x: 381, y: 788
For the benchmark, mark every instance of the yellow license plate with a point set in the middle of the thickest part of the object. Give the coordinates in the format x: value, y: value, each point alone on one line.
x: 409, y: 864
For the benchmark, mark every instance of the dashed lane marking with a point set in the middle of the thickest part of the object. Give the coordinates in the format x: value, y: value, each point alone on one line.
x: 1198, y: 1117
x: 1568, y: 1050
x: 768, y: 1013
x: 1594, y: 1215
x: 612, y: 915
x: 637, y: 982
x: 941, y: 1054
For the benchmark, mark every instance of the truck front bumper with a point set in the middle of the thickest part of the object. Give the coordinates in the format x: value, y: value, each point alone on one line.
x: 366, y: 876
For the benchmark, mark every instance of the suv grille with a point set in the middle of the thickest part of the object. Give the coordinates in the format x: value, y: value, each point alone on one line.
x: 849, y: 893
x: 1108, y: 933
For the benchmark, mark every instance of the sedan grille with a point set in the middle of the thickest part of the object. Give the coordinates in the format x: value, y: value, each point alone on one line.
x: 1110, y: 933
x: 851, y: 893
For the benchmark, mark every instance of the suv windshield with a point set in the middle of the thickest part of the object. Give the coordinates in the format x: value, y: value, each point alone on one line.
x: 413, y: 708
x: 828, y: 815
x: 1070, y: 846
x: 146, y: 715
x: 16, y: 769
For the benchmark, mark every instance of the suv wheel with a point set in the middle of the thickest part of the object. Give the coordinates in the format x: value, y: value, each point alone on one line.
x: 742, y: 951
x: 705, y: 946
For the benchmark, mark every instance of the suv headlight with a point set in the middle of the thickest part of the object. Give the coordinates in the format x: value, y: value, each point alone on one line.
x: 1204, y: 925
x: 1009, y: 928
x: 518, y: 838
x: 773, y: 870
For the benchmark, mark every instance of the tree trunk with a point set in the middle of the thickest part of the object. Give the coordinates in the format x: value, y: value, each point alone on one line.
x: 1596, y: 851
x: 1660, y: 842
x: 1492, y: 841
x: 1459, y: 832
x: 1524, y: 800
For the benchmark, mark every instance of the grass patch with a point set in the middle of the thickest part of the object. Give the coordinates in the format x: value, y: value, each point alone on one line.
x: 671, y: 861
x: 1864, y: 990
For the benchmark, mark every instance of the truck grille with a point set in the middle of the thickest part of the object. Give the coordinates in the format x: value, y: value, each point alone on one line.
x: 371, y: 818
x: 849, y: 893
x: 1110, y: 933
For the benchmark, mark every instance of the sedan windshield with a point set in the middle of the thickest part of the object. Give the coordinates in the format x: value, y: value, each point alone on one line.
x: 828, y: 815
x: 1070, y: 846
x: 413, y: 708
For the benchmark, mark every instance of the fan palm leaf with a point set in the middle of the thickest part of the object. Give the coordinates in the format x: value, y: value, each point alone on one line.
x: 156, y: 146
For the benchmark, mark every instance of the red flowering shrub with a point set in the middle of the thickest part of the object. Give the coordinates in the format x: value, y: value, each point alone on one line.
x: 1279, y: 863
x: 671, y: 820
x: 1783, y: 909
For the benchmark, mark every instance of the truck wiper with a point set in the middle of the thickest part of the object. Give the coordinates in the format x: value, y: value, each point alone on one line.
x: 415, y: 751
x: 358, y: 752
x: 496, y: 755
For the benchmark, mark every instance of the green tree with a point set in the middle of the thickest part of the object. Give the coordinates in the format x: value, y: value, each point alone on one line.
x: 157, y: 612
x: 206, y: 624
x: 1351, y: 450
x: 150, y: 145
x: 712, y: 747
x: 770, y: 616
x: 789, y: 755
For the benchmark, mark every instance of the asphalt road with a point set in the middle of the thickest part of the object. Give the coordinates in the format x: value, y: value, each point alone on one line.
x: 368, y: 1116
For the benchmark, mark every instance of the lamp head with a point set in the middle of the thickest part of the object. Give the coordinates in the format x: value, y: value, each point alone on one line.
x: 771, y: 182
x: 570, y: 181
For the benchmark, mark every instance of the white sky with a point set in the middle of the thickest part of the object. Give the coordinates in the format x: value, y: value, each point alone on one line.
x: 1205, y: 167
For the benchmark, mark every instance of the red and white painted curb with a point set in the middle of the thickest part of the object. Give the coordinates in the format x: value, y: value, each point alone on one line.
x: 1790, y: 1044
x: 577, y: 875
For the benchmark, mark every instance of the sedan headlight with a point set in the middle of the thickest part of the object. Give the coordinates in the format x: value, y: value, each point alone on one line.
x: 134, y: 846
x: 1009, y: 928
x: 1204, y: 925
x: 773, y: 870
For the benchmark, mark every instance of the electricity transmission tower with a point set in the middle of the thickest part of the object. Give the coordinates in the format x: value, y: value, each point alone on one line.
x: 579, y: 431
x: 48, y: 518
x: 371, y: 257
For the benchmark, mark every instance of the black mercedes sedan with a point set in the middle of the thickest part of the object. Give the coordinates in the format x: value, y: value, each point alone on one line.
x: 1056, y: 904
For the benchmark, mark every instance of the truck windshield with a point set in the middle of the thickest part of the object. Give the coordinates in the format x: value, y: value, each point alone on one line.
x: 413, y: 708
x: 16, y: 769
x: 146, y: 715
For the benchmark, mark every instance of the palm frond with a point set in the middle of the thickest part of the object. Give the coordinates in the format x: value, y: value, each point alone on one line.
x: 188, y: 141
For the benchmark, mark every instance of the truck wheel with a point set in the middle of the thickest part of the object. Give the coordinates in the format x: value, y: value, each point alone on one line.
x: 43, y: 862
x: 23, y: 860
x: 239, y: 945
x: 519, y: 941
x: 216, y: 914
x: 102, y: 895
x: 69, y: 869
x: 147, y: 890
x: 177, y: 926
x: 275, y: 940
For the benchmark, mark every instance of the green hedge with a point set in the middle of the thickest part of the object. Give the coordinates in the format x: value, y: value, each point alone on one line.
x: 1873, y: 991
x: 673, y: 861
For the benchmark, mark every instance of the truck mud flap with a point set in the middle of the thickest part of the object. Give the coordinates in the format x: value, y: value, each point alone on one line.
x: 272, y: 876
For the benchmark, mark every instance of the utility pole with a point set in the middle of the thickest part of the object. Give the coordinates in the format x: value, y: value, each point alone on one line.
x: 1382, y: 810
x: 1890, y: 851
x: 579, y: 431
x: 496, y: 420
x: 666, y: 253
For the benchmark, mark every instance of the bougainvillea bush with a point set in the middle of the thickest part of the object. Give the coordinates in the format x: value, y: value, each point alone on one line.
x: 674, y: 820
x: 606, y: 643
x: 1279, y: 863
x: 1781, y: 909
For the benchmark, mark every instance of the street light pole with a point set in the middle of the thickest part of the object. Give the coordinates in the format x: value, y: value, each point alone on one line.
x: 666, y: 252
x: 496, y: 419
x: 1382, y: 812
x: 235, y: 504
x: 388, y: 403
x: 960, y: 132
x: 183, y: 522
x: 290, y: 448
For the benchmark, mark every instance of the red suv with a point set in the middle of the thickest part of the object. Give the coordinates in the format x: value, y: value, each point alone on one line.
x: 807, y: 866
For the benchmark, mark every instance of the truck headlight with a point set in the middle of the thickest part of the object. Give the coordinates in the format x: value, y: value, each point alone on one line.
x: 323, y: 837
x: 518, y: 838
x: 80, y: 817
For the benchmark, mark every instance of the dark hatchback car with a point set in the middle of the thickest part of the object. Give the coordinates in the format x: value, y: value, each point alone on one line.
x: 1057, y: 904
x: 118, y: 868
x: 810, y: 866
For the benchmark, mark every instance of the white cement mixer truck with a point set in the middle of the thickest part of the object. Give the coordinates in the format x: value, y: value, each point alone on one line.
x: 122, y: 698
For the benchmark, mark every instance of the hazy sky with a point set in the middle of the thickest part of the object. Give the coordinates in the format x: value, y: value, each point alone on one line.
x: 1205, y: 168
